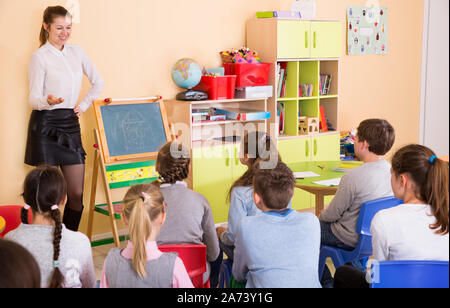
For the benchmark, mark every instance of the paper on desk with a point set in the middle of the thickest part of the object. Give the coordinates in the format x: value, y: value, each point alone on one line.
x: 306, y: 174
x: 330, y: 182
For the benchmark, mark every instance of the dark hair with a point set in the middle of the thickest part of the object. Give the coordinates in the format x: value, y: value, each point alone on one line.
x: 275, y: 186
x: 44, y: 187
x: 172, y: 162
x: 50, y: 14
x: 18, y: 268
x: 430, y: 177
x: 256, y: 145
x: 378, y: 133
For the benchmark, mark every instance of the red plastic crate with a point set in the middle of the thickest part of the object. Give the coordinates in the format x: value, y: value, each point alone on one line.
x: 248, y: 74
x: 218, y: 87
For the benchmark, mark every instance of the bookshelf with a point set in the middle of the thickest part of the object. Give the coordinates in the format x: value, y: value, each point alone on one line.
x: 306, y: 49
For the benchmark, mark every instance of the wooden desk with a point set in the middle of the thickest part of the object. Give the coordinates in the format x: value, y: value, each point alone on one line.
x: 324, y: 169
x: 2, y: 224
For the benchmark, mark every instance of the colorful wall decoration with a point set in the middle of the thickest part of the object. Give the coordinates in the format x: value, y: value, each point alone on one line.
x: 367, y: 30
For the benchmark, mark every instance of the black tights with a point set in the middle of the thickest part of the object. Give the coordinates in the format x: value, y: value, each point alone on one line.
x: 74, y: 176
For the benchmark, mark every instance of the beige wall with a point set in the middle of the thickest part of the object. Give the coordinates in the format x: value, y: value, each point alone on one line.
x: 134, y: 43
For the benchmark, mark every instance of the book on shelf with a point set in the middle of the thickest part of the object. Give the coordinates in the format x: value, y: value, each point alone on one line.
x: 281, y: 117
x: 279, y: 14
x: 305, y: 90
x: 323, y: 121
x: 243, y: 114
x: 325, y: 83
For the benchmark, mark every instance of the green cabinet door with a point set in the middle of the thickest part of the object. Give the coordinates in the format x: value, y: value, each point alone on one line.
x: 294, y: 39
x: 325, y: 148
x: 326, y: 39
x: 295, y: 150
x: 212, y: 177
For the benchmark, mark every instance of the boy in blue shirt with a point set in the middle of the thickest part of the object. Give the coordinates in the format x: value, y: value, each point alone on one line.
x: 280, y: 247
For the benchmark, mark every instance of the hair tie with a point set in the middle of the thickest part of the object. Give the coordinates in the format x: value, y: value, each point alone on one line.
x: 146, y: 196
x: 55, y: 263
x: 432, y: 158
x: 26, y: 207
x: 54, y: 207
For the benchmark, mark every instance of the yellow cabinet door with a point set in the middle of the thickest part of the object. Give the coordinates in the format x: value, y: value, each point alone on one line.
x: 295, y: 150
x: 212, y: 177
x: 325, y: 148
x: 326, y: 39
x: 294, y: 39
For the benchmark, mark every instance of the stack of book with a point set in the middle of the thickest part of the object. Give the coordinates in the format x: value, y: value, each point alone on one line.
x: 206, y: 115
x: 242, y: 114
x: 281, y: 80
x: 325, y: 83
x: 305, y: 90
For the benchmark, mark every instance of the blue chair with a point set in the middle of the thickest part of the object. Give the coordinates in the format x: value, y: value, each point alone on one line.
x: 410, y: 274
x: 364, y: 247
x: 225, y: 273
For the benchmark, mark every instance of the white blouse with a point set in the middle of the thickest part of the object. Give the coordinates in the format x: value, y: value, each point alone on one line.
x: 403, y: 233
x: 60, y: 73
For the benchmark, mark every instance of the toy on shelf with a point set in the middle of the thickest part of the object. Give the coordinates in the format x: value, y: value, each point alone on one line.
x: 313, y: 125
x: 242, y: 55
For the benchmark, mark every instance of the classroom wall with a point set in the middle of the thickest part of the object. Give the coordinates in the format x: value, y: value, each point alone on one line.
x: 134, y: 43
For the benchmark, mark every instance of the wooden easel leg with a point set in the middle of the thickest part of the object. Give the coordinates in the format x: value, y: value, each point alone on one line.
x: 93, y: 195
x: 110, y: 205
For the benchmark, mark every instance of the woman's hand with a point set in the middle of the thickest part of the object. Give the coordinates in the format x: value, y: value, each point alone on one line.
x: 77, y: 111
x: 53, y: 100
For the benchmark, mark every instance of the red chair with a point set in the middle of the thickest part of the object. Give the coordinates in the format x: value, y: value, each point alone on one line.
x: 11, y: 214
x: 194, y: 259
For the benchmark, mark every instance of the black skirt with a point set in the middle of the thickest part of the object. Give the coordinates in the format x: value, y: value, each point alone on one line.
x: 54, y: 138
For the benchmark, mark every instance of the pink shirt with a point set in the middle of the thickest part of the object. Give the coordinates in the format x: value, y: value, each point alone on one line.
x: 180, y: 275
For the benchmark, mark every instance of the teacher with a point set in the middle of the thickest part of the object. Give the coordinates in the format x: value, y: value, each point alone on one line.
x: 55, y: 75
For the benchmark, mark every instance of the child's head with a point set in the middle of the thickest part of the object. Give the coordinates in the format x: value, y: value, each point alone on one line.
x: 257, y: 150
x: 18, y: 268
x: 273, y: 188
x: 415, y: 168
x: 173, y: 162
x: 375, y: 136
x: 144, y: 212
x: 44, y: 190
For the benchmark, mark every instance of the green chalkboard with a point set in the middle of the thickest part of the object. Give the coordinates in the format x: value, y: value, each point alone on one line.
x: 131, y: 129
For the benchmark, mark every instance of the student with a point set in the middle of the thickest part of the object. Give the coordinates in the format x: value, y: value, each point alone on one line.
x: 370, y: 181
x: 256, y: 147
x: 141, y: 264
x: 417, y: 229
x: 18, y: 268
x: 280, y: 247
x: 64, y: 256
x: 189, y: 219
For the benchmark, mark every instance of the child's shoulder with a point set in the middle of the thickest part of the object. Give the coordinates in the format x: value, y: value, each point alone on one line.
x: 242, y: 191
x: 75, y: 237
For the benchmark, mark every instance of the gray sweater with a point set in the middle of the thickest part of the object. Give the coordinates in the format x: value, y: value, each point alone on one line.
x: 364, y: 183
x: 75, y: 259
x: 189, y: 220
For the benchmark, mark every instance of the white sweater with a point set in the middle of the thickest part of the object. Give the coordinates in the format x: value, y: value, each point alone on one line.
x: 403, y: 233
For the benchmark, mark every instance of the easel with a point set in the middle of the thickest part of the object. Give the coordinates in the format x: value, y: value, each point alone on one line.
x: 144, y: 163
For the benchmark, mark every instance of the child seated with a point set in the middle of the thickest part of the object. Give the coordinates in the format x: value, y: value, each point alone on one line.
x: 64, y: 257
x: 141, y: 264
x: 280, y: 247
x: 189, y: 219
x: 370, y: 181
x: 256, y: 147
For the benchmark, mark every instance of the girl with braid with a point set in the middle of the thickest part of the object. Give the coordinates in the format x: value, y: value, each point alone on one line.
x: 64, y: 256
x: 189, y: 217
x: 141, y: 264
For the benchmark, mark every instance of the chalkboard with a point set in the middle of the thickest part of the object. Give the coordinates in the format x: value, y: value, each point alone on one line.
x: 131, y: 129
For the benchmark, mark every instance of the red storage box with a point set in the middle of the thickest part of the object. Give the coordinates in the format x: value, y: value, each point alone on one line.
x: 248, y: 74
x: 218, y: 87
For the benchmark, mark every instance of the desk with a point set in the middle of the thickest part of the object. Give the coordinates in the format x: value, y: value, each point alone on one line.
x: 2, y: 224
x: 326, y: 173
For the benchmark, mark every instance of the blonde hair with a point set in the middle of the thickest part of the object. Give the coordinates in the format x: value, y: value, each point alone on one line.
x: 142, y: 204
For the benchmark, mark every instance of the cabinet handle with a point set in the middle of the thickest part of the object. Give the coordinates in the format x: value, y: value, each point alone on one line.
x: 315, y: 147
x: 306, y: 148
x: 306, y: 39
x: 314, y: 39
x: 227, y: 158
x: 236, y: 156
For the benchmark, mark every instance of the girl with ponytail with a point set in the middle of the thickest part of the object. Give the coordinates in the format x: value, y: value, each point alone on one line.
x: 64, y: 256
x: 417, y: 229
x: 141, y: 264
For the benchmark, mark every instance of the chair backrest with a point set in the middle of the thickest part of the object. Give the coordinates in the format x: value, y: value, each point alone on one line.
x: 369, y: 209
x: 11, y: 214
x: 410, y: 274
x: 194, y: 259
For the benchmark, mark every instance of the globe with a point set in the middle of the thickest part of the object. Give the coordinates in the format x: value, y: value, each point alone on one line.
x: 186, y: 73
